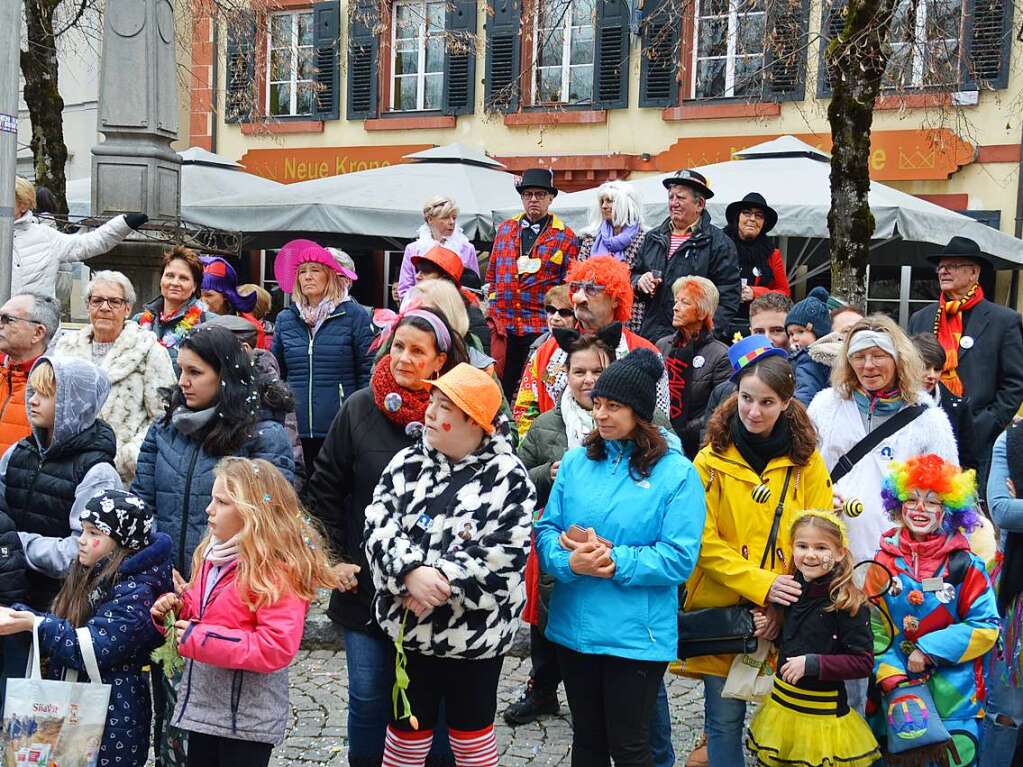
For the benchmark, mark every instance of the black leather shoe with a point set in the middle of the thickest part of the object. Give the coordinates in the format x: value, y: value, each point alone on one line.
x: 531, y: 707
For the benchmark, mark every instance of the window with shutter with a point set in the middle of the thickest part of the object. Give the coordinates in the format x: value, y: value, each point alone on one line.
x: 503, y: 33
x: 728, y: 48
x: 611, y: 57
x: 363, y: 51
x: 291, y: 86
x: 658, y: 69
x: 326, y: 39
x: 924, y: 48
x: 239, y: 96
x: 785, y: 50
x: 563, y: 52
x: 832, y: 23
x: 417, y: 55
x: 460, y: 58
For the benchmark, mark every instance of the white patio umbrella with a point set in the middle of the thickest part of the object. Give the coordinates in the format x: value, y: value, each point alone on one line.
x: 795, y: 178
x: 204, y: 176
x: 382, y: 202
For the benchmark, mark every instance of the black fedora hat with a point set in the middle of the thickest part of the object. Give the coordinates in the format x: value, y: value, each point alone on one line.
x: 691, y: 178
x: 752, y: 200
x: 961, y: 247
x: 537, y: 178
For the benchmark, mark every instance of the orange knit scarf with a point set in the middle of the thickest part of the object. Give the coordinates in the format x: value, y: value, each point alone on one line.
x: 948, y: 327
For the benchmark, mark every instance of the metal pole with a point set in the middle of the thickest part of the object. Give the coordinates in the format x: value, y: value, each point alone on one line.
x: 10, y: 19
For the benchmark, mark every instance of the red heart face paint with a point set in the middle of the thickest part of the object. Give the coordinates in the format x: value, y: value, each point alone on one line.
x: 446, y: 426
x: 95, y: 543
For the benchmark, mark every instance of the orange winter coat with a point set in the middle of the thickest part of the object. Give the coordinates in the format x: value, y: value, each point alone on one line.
x: 13, y: 416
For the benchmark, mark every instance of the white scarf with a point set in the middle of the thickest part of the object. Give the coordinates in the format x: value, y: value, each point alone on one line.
x: 578, y: 420
x: 455, y: 242
x: 220, y: 553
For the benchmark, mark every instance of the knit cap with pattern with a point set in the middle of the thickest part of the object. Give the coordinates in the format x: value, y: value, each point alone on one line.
x: 812, y: 311
x: 632, y: 381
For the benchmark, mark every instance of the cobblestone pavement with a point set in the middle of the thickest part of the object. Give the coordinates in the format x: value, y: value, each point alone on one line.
x: 316, y: 735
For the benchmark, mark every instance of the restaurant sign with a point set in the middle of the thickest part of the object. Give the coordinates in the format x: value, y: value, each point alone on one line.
x: 303, y: 164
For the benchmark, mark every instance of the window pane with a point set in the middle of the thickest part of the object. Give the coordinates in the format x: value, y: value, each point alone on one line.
x: 582, y: 46
x: 885, y: 282
x: 280, y: 99
x: 435, y: 16
x: 713, y: 7
x: 713, y: 38
x: 434, y: 91
x: 306, y: 63
x: 435, y: 53
x: 550, y: 49
x: 305, y: 29
x: 751, y: 34
x: 580, y: 85
x: 406, y: 62
x: 305, y: 98
x: 710, y: 78
x: 280, y: 64
x: 749, y: 72
x: 902, y: 30
x: 405, y: 93
x: 900, y: 66
x: 280, y: 31
x: 582, y: 13
x: 552, y: 13
x: 749, y: 6
x: 941, y: 64
x: 548, y: 84
x: 407, y: 18
x: 943, y: 19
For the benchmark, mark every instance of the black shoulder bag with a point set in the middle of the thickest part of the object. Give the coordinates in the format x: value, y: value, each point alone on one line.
x: 856, y: 454
x: 727, y: 630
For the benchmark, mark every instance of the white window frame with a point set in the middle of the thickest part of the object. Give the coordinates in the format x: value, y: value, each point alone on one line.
x: 422, y: 37
x: 920, y: 46
x: 294, y: 81
x: 731, y: 38
x: 566, y: 58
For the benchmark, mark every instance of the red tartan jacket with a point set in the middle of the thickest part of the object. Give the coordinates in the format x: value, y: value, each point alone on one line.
x: 517, y: 300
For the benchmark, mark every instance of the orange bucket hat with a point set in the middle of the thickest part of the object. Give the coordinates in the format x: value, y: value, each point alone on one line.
x: 445, y: 259
x: 473, y: 391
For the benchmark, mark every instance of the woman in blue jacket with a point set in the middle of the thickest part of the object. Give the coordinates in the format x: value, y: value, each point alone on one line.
x: 322, y: 337
x: 620, y: 533
x: 213, y: 412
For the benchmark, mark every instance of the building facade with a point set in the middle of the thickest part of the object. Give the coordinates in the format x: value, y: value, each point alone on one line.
x: 601, y: 89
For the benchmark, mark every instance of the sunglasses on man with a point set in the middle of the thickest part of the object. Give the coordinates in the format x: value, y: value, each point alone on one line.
x: 590, y: 288
x: 566, y: 313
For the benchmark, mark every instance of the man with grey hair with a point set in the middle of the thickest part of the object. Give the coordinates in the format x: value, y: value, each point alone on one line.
x: 27, y: 323
x: 685, y: 244
x: 133, y: 359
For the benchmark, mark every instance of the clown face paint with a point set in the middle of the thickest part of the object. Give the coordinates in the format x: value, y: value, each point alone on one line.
x: 922, y: 513
x: 815, y: 552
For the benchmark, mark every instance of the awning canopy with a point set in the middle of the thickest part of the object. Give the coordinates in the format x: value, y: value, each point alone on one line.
x: 795, y: 178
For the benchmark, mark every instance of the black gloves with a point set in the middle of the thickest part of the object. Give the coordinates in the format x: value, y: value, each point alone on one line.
x: 135, y: 220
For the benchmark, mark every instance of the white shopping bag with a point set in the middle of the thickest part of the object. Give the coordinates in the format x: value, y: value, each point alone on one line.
x: 47, y: 721
x: 750, y: 678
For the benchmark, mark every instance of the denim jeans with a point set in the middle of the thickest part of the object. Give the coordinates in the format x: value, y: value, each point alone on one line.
x: 998, y: 739
x: 370, y: 679
x: 660, y: 731
x: 724, y: 722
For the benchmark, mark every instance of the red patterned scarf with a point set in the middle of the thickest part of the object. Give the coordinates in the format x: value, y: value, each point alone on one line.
x: 948, y: 327
x: 408, y: 407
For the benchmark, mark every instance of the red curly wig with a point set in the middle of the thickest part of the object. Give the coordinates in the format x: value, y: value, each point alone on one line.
x: 613, y: 275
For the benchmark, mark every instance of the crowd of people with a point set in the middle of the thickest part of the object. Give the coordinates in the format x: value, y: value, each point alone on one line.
x: 632, y: 440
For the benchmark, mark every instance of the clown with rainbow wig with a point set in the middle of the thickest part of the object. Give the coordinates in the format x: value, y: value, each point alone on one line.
x: 941, y: 603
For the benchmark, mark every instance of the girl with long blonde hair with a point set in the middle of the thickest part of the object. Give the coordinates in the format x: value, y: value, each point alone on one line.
x: 239, y: 622
x: 825, y: 640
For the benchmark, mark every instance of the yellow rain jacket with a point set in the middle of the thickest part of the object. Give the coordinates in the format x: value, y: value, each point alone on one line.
x: 736, y: 533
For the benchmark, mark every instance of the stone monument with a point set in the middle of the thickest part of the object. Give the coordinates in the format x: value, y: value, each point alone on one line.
x: 134, y: 167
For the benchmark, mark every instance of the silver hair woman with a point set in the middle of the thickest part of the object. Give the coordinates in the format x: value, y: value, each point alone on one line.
x: 616, y: 229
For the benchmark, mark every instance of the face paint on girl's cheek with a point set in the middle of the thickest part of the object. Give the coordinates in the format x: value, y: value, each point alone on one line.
x: 446, y: 426
x: 827, y: 562
x: 95, y: 544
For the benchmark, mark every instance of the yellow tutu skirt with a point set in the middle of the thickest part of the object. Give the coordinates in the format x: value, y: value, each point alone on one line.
x: 801, y: 728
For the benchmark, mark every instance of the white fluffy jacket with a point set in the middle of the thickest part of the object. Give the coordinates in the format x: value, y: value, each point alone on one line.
x: 840, y: 427
x: 39, y: 251
x: 138, y: 367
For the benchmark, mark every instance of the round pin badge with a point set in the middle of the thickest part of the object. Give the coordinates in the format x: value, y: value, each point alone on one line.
x: 392, y: 402
x: 756, y: 271
x: 966, y: 342
x: 946, y: 593
x: 699, y: 361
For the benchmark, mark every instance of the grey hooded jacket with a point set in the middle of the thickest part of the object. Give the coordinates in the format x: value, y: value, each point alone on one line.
x: 82, y: 390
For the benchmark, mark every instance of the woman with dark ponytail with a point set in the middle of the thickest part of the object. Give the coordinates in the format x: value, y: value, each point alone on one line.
x: 760, y: 468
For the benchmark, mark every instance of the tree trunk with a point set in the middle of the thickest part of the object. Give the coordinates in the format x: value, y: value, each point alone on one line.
x: 45, y: 106
x: 856, y: 61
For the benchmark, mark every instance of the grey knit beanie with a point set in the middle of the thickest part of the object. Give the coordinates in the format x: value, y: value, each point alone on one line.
x: 632, y: 381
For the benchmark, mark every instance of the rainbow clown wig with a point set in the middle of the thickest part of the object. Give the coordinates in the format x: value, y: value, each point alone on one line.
x: 613, y: 274
x: 956, y: 488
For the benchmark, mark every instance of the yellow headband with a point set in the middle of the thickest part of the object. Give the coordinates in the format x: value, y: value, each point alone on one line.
x: 828, y: 515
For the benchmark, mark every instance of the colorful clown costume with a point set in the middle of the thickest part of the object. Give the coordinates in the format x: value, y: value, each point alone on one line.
x: 941, y: 603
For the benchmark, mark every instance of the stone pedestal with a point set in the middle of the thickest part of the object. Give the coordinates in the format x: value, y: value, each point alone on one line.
x: 140, y: 262
x: 134, y: 168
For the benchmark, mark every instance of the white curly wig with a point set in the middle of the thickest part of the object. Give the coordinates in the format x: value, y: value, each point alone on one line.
x: 626, y: 206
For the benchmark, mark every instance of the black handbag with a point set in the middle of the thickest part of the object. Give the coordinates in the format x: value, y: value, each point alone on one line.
x: 726, y: 630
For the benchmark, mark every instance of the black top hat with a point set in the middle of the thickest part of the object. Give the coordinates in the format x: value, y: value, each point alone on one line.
x: 752, y: 200
x: 690, y: 178
x: 537, y: 178
x: 961, y: 247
